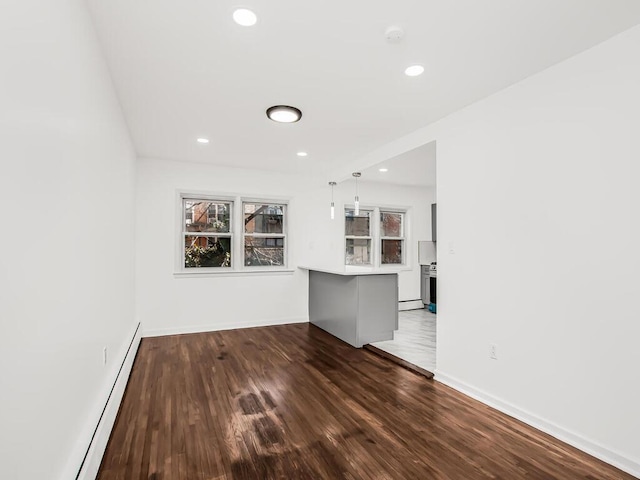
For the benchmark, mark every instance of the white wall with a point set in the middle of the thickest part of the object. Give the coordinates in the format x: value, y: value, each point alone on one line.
x: 538, y: 196
x: 324, y: 238
x: 67, y: 248
x: 168, y: 303
x: 538, y: 183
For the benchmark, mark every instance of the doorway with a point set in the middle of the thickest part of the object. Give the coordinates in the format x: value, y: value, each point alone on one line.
x: 414, y: 343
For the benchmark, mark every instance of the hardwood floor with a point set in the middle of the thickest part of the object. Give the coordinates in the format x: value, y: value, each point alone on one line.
x: 399, y: 361
x: 293, y: 402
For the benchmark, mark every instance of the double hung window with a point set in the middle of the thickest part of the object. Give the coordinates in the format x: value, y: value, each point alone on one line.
x: 391, y: 238
x: 231, y: 234
x: 207, y: 233
x: 358, y: 237
x: 264, y: 234
x: 375, y: 237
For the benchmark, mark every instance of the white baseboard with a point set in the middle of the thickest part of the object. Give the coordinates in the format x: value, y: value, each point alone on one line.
x: 160, y: 332
x: 410, y: 305
x: 562, y: 434
x: 84, y: 461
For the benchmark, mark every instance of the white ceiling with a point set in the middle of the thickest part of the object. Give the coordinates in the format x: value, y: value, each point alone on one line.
x: 183, y: 69
x: 415, y: 168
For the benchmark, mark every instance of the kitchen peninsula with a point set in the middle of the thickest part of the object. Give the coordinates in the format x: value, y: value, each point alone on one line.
x: 358, y: 307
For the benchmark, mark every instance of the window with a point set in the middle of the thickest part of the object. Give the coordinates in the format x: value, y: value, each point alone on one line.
x: 391, y: 238
x: 207, y: 234
x: 375, y: 237
x: 358, y: 237
x: 219, y: 234
x: 264, y: 234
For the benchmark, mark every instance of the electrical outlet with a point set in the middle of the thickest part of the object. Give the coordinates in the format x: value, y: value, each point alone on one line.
x: 493, y: 351
x: 104, y: 356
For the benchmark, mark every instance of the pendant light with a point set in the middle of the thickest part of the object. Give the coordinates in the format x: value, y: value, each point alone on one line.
x: 333, y: 208
x: 357, y: 199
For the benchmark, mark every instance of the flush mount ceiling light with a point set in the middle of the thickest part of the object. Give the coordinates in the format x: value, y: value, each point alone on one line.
x: 383, y: 169
x: 203, y: 141
x: 414, y: 70
x: 284, y: 114
x: 244, y: 17
x: 302, y: 154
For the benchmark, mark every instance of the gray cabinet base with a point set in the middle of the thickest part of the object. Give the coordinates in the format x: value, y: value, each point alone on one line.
x: 358, y: 309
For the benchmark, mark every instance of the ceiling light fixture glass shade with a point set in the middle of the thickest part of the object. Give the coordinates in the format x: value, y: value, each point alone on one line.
x: 244, y: 17
x: 302, y: 154
x: 204, y: 141
x: 383, y: 170
x: 414, y: 70
x: 356, y: 211
x: 284, y: 114
x: 333, y: 208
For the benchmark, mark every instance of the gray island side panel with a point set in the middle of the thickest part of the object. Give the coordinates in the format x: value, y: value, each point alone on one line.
x: 358, y: 309
x: 333, y: 304
x: 377, y: 308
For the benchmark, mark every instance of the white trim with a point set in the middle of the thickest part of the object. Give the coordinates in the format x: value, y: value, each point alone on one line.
x: 160, y: 332
x: 376, y: 238
x: 236, y: 220
x: 266, y: 235
x: 369, y: 238
x: 228, y: 272
x: 93, y: 440
x: 403, y: 228
x: 208, y: 234
x: 283, y: 234
x: 405, y: 305
x: 574, y: 439
x: 184, y: 197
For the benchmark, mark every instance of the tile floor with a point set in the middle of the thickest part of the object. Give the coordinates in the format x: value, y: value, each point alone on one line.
x: 415, y: 339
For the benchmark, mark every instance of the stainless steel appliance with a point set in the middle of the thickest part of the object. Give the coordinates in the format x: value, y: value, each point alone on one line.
x: 428, y: 276
x: 433, y: 275
x: 425, y: 284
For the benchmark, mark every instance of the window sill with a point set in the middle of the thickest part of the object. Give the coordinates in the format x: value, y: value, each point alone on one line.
x: 234, y: 273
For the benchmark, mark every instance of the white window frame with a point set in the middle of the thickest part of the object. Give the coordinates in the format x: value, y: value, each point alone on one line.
x: 184, y: 233
x: 236, y: 232
x: 285, y: 215
x: 376, y: 237
x: 360, y: 237
x: 384, y: 237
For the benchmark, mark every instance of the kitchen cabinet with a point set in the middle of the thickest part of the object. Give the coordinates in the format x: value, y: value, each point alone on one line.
x: 358, y: 308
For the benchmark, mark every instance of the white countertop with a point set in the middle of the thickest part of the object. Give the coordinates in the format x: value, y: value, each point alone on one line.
x: 355, y: 271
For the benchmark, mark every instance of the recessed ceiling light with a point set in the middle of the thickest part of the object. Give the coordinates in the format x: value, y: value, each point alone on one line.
x: 383, y: 170
x: 414, y: 70
x: 284, y: 114
x: 203, y: 140
x: 244, y: 17
x: 302, y: 154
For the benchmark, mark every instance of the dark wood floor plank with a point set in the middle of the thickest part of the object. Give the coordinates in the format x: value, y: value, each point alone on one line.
x: 293, y: 402
x: 403, y: 363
